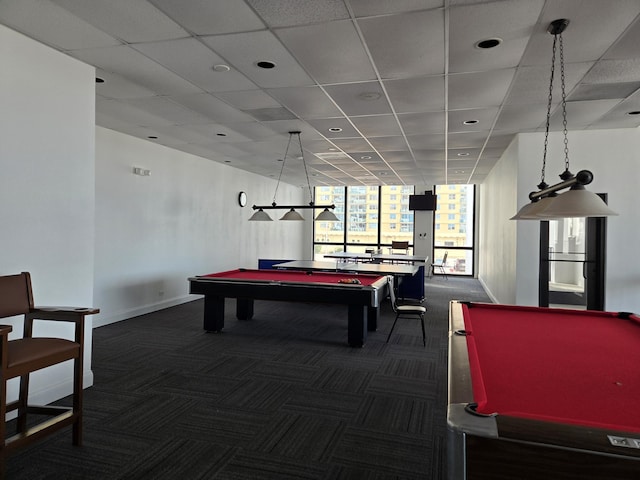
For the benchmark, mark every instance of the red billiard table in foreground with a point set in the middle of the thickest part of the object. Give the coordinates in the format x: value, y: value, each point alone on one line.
x: 543, y: 393
x: 246, y: 285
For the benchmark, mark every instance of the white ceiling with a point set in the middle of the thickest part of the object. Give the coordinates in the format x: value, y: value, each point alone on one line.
x: 398, y: 77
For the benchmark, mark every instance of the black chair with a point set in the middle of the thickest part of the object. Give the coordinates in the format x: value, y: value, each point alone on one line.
x: 441, y: 265
x: 406, y: 311
x: 22, y: 356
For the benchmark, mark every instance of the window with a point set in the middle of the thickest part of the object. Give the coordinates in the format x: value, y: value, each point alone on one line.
x: 370, y: 217
x: 457, y: 238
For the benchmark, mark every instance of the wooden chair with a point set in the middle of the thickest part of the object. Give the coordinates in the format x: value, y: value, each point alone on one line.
x: 406, y: 311
x: 399, y: 247
x: 22, y: 356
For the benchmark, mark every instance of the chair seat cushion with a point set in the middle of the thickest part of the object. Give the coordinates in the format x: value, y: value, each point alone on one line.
x: 35, y: 353
x: 411, y: 309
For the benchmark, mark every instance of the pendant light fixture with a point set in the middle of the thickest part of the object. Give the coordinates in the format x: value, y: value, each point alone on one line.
x: 546, y: 203
x: 260, y: 215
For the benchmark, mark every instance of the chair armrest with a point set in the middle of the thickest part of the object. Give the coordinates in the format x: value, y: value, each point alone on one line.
x: 5, y: 330
x: 63, y: 314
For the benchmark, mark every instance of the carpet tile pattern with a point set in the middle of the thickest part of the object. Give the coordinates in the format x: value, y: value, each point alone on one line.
x: 280, y: 396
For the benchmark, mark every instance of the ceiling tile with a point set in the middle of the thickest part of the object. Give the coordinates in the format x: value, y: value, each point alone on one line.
x: 194, y: 62
x: 306, y: 102
x: 282, y: 13
x: 244, y: 50
x: 422, y: 123
x: 418, y: 94
x: 204, y: 17
x: 365, y: 8
x: 377, y: 125
x: 360, y: 98
x: 331, y: 52
x: 52, y: 25
x: 482, y: 89
x: 409, y: 45
x: 511, y: 22
x: 136, y: 68
x: 129, y: 21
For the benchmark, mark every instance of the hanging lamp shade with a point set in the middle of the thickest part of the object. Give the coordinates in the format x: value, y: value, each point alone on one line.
x: 260, y: 216
x: 292, y: 215
x: 327, y: 216
x: 531, y: 211
x: 576, y: 202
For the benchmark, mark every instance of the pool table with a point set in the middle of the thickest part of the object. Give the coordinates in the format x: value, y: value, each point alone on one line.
x: 362, y: 299
x: 542, y: 393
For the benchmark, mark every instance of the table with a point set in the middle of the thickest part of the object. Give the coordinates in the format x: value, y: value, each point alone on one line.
x: 542, y: 393
x: 363, y: 300
x: 376, y: 257
x: 370, y: 268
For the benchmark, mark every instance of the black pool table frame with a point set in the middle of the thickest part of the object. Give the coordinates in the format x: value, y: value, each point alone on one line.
x: 363, y: 302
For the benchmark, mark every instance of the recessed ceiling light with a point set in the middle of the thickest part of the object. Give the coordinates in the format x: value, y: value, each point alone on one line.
x: 221, y: 134
x: 365, y: 157
x: 335, y: 129
x: 489, y: 43
x: 227, y: 161
x: 99, y: 80
x: 470, y: 122
x: 265, y: 64
x: 152, y: 137
x: 463, y: 154
x: 382, y: 174
x: 634, y: 112
x: 221, y: 68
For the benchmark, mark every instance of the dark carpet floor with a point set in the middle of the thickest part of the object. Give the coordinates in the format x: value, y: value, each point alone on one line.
x: 281, y: 396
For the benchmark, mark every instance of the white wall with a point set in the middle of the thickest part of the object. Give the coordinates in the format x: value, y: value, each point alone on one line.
x: 47, y: 185
x: 614, y: 158
x: 497, y: 237
x: 153, y: 232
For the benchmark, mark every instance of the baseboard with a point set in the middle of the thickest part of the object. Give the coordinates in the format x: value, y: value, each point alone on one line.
x: 487, y: 290
x: 102, y: 320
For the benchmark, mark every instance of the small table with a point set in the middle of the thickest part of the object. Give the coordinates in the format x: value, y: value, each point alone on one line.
x: 362, y: 300
x: 543, y: 393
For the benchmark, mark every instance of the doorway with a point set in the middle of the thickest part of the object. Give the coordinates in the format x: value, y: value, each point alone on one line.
x: 572, y: 263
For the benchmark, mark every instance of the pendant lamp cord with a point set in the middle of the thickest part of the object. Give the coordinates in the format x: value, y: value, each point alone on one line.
x: 564, y: 105
x: 306, y: 172
x: 549, y: 102
x: 284, y: 160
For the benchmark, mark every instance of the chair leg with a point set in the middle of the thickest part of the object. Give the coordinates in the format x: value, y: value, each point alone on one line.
x: 392, y: 327
x: 424, y: 338
x: 23, y: 399
x: 77, y: 400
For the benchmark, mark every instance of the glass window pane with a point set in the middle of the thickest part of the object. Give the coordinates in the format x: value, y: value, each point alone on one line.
x: 362, y: 203
x: 458, y: 209
x: 396, y: 220
x: 330, y: 232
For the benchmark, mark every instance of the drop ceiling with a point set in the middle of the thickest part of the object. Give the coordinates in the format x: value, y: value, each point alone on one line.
x: 382, y: 91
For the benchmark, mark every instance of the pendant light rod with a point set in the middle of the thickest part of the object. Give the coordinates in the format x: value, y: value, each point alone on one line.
x: 275, y: 206
x: 583, y: 177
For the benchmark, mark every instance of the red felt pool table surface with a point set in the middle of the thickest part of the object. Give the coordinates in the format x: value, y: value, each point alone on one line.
x: 269, y: 275
x: 567, y: 366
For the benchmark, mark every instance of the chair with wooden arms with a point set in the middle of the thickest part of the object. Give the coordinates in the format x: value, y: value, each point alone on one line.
x: 22, y: 356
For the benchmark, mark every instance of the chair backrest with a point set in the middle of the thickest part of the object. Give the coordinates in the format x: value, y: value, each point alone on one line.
x: 398, y: 245
x: 392, y: 292
x: 16, y: 297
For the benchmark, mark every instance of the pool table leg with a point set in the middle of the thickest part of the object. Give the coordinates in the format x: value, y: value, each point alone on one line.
x: 373, y: 315
x: 213, y: 313
x: 244, y: 308
x: 357, y: 327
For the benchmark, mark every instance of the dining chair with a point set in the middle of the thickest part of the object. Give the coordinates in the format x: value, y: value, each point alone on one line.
x: 405, y: 311
x: 440, y: 265
x: 21, y: 356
